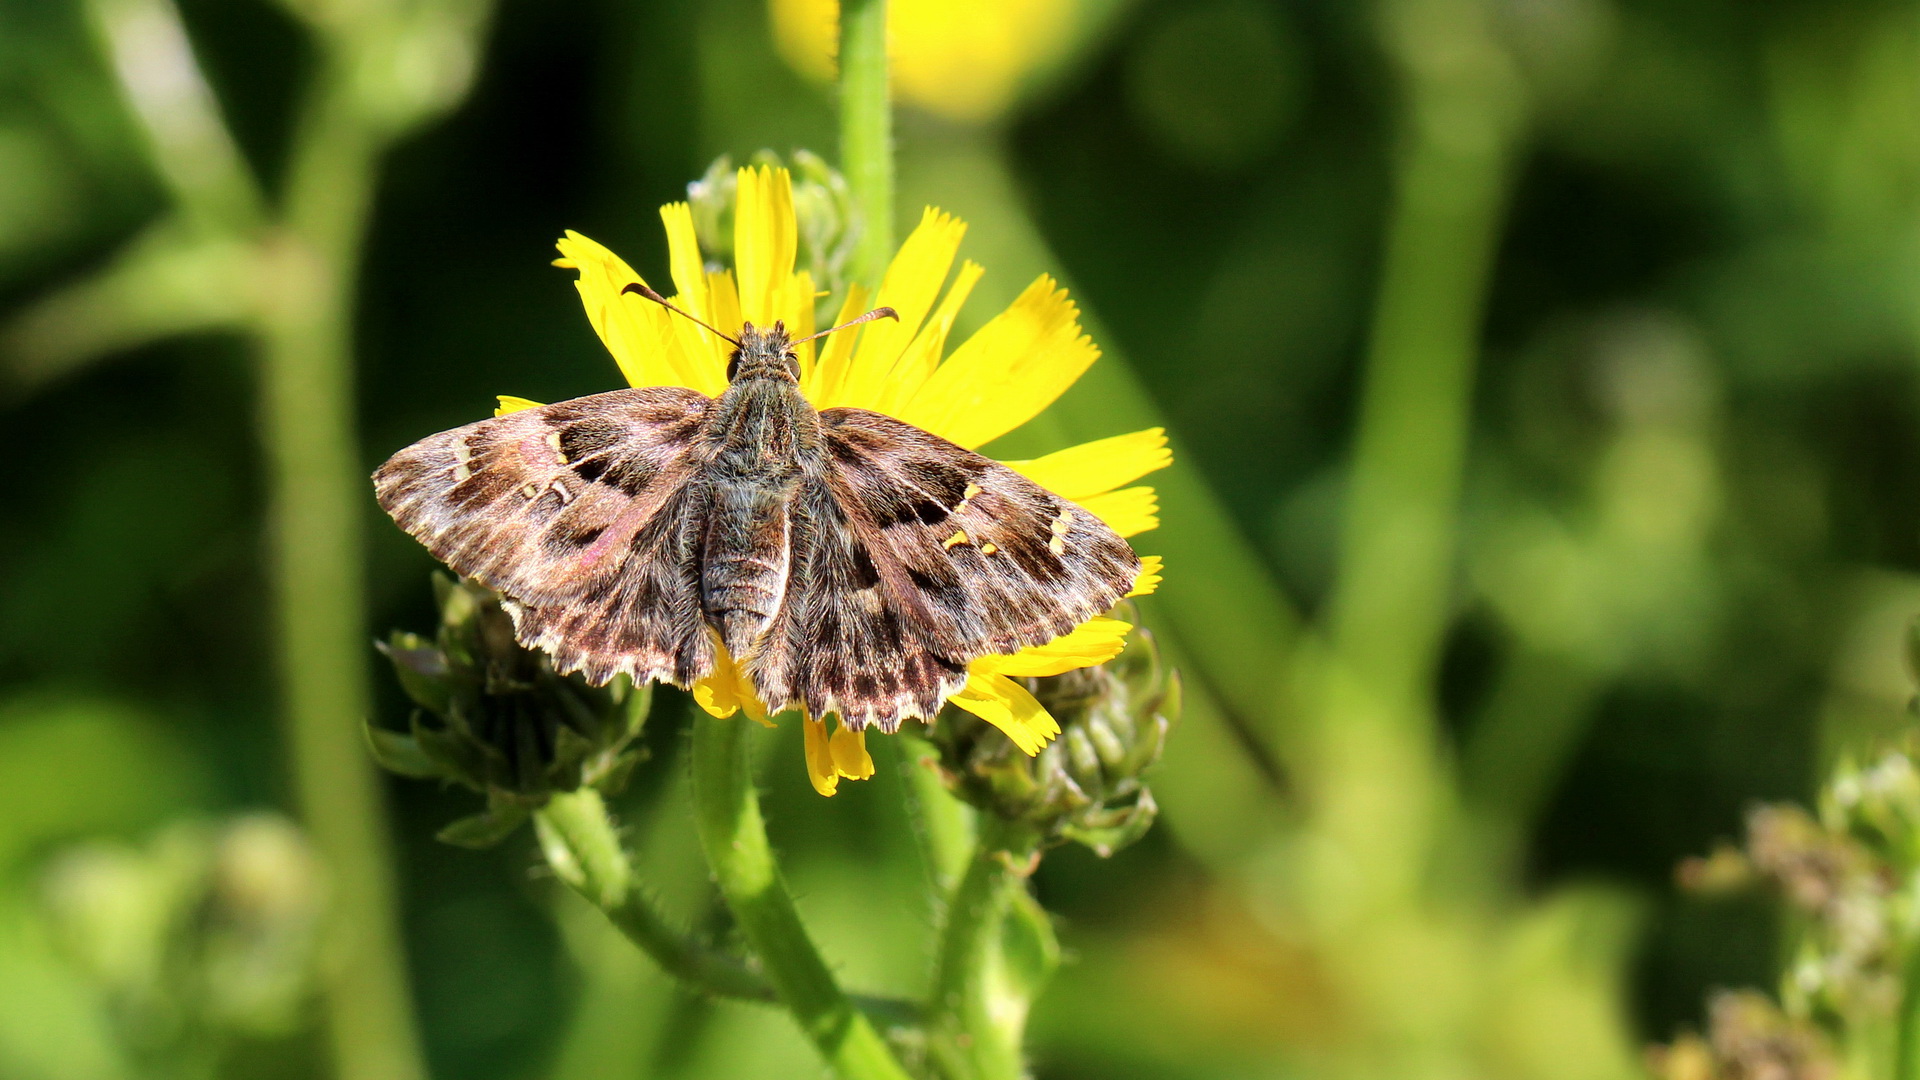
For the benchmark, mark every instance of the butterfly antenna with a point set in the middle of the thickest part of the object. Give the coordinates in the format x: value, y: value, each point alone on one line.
x: 876, y: 313
x: 641, y: 288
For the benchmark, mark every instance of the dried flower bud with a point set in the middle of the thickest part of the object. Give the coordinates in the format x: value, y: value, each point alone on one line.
x: 1748, y: 1038
x: 1724, y: 870
x: 496, y: 718
x: 1089, y: 784
x: 827, y: 217
x: 1751, y: 1037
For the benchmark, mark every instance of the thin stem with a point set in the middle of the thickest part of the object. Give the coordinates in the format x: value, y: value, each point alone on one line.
x: 866, y: 131
x: 1397, y: 551
x: 1372, y: 771
x: 727, y: 811
x: 583, y: 848
x: 973, y: 1034
x: 316, y: 495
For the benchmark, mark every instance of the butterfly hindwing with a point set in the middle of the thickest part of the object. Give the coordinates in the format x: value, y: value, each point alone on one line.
x: 846, y: 641
x: 581, y: 516
x: 919, y: 557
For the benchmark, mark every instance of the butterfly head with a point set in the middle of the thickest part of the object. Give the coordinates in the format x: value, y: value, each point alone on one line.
x: 763, y: 354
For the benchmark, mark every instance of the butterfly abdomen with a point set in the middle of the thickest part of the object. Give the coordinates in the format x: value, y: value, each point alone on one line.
x: 744, y: 562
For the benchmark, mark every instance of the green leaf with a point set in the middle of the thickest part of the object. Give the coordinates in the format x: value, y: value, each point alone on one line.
x: 1028, y: 946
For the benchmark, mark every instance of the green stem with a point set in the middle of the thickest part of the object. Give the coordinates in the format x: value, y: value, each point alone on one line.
x: 1375, y: 778
x: 583, y: 848
x: 1397, y: 551
x: 866, y: 131
x: 1907, y: 1045
x: 727, y: 811
x: 316, y: 494
x: 973, y: 1035
x: 943, y: 824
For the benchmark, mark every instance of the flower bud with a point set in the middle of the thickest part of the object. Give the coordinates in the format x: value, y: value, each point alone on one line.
x: 204, y: 933
x: 827, y: 218
x: 495, y: 717
x: 1089, y: 784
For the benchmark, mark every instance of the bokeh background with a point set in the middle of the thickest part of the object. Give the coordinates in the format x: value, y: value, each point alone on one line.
x: 1687, y: 543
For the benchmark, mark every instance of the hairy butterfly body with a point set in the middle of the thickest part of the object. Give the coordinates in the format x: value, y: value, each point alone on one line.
x: 849, y: 562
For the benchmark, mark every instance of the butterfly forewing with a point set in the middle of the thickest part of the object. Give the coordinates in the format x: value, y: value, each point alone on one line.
x: 580, y: 515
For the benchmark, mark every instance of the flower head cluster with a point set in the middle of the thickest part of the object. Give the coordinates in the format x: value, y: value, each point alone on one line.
x: 1000, y: 377
x: 495, y: 717
x: 1089, y: 785
x: 1851, y: 871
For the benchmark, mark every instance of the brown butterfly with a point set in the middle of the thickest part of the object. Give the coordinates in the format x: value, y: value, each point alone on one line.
x: 849, y: 562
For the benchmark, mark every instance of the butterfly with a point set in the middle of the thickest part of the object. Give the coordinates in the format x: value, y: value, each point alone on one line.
x: 847, y: 561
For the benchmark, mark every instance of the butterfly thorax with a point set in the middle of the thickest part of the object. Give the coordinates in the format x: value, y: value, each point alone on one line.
x: 766, y: 438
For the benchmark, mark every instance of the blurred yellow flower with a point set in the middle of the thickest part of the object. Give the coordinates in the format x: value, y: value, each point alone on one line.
x: 999, y: 378
x: 963, y: 61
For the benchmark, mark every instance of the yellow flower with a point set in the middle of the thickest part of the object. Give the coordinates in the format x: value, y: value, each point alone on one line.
x: 963, y: 61
x: 999, y: 378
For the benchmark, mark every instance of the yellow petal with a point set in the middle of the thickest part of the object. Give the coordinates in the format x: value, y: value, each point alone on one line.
x: 850, y: 757
x: 642, y: 336
x: 820, y: 767
x: 726, y: 690
x: 1129, y: 511
x: 511, y: 404
x: 1006, y: 705
x: 1009, y: 370
x: 683, y: 258
x: 765, y: 238
x: 795, y: 308
x: 716, y: 696
x: 918, y: 362
x: 1095, y: 641
x: 1095, y: 468
x: 912, y: 282
x: 823, y: 383
x: 726, y: 309
x: 1151, y: 567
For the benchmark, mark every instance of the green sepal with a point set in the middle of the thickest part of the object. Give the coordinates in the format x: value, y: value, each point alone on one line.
x: 1115, y: 829
x: 421, y: 669
x: 400, y: 753
x: 488, y: 827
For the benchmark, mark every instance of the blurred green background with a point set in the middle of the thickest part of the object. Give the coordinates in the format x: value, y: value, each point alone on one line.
x: 1686, y: 544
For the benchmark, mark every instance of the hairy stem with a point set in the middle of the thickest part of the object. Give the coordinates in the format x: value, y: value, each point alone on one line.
x: 866, y: 131
x: 942, y: 824
x: 975, y: 1030
x: 582, y: 846
x: 727, y: 810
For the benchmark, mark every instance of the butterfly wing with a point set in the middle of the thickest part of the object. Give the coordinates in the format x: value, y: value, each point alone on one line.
x: 919, y: 557
x: 583, y: 516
